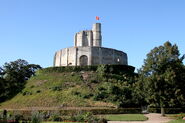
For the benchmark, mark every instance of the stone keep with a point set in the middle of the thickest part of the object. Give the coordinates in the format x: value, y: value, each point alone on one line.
x: 88, y: 50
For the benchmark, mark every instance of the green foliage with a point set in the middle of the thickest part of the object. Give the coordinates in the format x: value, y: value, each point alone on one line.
x: 177, y: 121
x: 167, y: 110
x: 178, y: 118
x: 83, y: 116
x: 162, y: 77
x: 26, y: 93
x: 56, y: 88
x: 59, y: 86
x: 115, y: 69
x: 55, y: 117
x: 125, y: 117
x: 13, y: 77
x: 120, y: 93
x: 102, y: 120
x: 68, y: 69
x: 36, y: 117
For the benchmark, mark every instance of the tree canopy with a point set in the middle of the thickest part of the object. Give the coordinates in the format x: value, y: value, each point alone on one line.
x: 163, y: 77
x: 13, y: 77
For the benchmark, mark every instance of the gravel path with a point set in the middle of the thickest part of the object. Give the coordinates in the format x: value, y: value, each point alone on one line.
x: 152, y: 118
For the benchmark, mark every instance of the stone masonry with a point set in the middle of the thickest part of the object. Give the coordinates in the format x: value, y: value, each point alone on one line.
x: 88, y: 50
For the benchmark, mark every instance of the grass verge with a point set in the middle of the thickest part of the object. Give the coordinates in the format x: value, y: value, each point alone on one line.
x: 177, y: 121
x: 177, y: 118
x: 125, y: 117
x: 62, y: 122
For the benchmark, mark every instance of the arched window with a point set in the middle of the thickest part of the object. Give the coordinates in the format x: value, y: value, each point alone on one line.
x: 83, y: 60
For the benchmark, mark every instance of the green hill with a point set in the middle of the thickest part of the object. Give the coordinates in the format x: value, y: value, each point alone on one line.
x: 72, y: 87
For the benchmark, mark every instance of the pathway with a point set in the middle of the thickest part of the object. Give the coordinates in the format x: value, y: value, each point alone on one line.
x: 152, y: 118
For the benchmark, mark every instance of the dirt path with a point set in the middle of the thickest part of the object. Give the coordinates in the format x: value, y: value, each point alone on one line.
x: 152, y: 118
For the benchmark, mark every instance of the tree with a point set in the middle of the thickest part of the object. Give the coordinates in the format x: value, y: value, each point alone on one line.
x: 14, y: 76
x: 2, y: 86
x: 163, y: 75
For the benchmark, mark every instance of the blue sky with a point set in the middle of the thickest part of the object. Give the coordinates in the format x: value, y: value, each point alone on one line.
x: 34, y: 29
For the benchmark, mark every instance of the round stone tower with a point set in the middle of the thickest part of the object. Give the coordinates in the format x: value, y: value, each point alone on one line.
x: 97, y: 38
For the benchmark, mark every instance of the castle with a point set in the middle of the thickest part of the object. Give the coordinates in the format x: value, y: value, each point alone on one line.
x: 88, y: 50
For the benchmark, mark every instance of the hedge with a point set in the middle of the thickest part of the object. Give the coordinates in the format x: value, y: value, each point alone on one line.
x: 116, y: 69
x: 167, y: 110
x: 27, y: 113
x: 104, y: 111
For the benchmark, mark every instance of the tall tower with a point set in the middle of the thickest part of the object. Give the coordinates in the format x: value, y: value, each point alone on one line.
x: 97, y: 38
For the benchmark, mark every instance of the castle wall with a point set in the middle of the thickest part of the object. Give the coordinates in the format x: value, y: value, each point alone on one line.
x: 88, y: 51
x: 64, y: 57
x: 71, y: 56
x: 84, y: 51
x: 94, y: 55
x: 120, y: 57
x: 102, y: 55
x: 107, y: 56
x: 57, y: 58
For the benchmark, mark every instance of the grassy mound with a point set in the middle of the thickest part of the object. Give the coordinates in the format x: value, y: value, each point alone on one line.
x: 66, y: 87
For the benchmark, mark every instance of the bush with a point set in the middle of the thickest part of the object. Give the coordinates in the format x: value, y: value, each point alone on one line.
x: 56, y: 88
x: 102, y: 120
x: 167, y: 110
x: 83, y: 117
x: 77, y: 117
x: 38, y: 91
x: 180, y: 116
x: 55, y: 117
x: 87, y: 96
x: 26, y: 93
x: 18, y: 118
x: 36, y: 117
x: 100, y: 95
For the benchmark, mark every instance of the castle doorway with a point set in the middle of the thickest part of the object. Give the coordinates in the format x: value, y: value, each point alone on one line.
x: 83, y: 60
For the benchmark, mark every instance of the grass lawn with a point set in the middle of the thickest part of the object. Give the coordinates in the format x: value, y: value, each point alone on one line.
x: 177, y: 121
x: 62, y: 122
x: 125, y: 117
x: 177, y: 118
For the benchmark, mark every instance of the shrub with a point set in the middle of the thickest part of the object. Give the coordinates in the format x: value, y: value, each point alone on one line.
x: 76, y: 93
x: 36, y: 117
x: 26, y: 93
x: 102, y: 120
x: 55, y: 117
x: 100, y: 95
x: 77, y: 117
x: 18, y: 117
x: 83, y: 117
x: 32, y: 86
x: 56, y: 88
x: 87, y: 96
x: 38, y: 91
x: 167, y: 110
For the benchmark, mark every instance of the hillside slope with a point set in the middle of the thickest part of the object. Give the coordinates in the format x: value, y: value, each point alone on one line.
x: 53, y: 87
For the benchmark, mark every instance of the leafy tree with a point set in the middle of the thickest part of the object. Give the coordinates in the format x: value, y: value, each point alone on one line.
x: 14, y: 76
x: 2, y: 85
x: 163, y: 77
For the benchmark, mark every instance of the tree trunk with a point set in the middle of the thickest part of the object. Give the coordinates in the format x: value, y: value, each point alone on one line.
x: 162, y: 111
